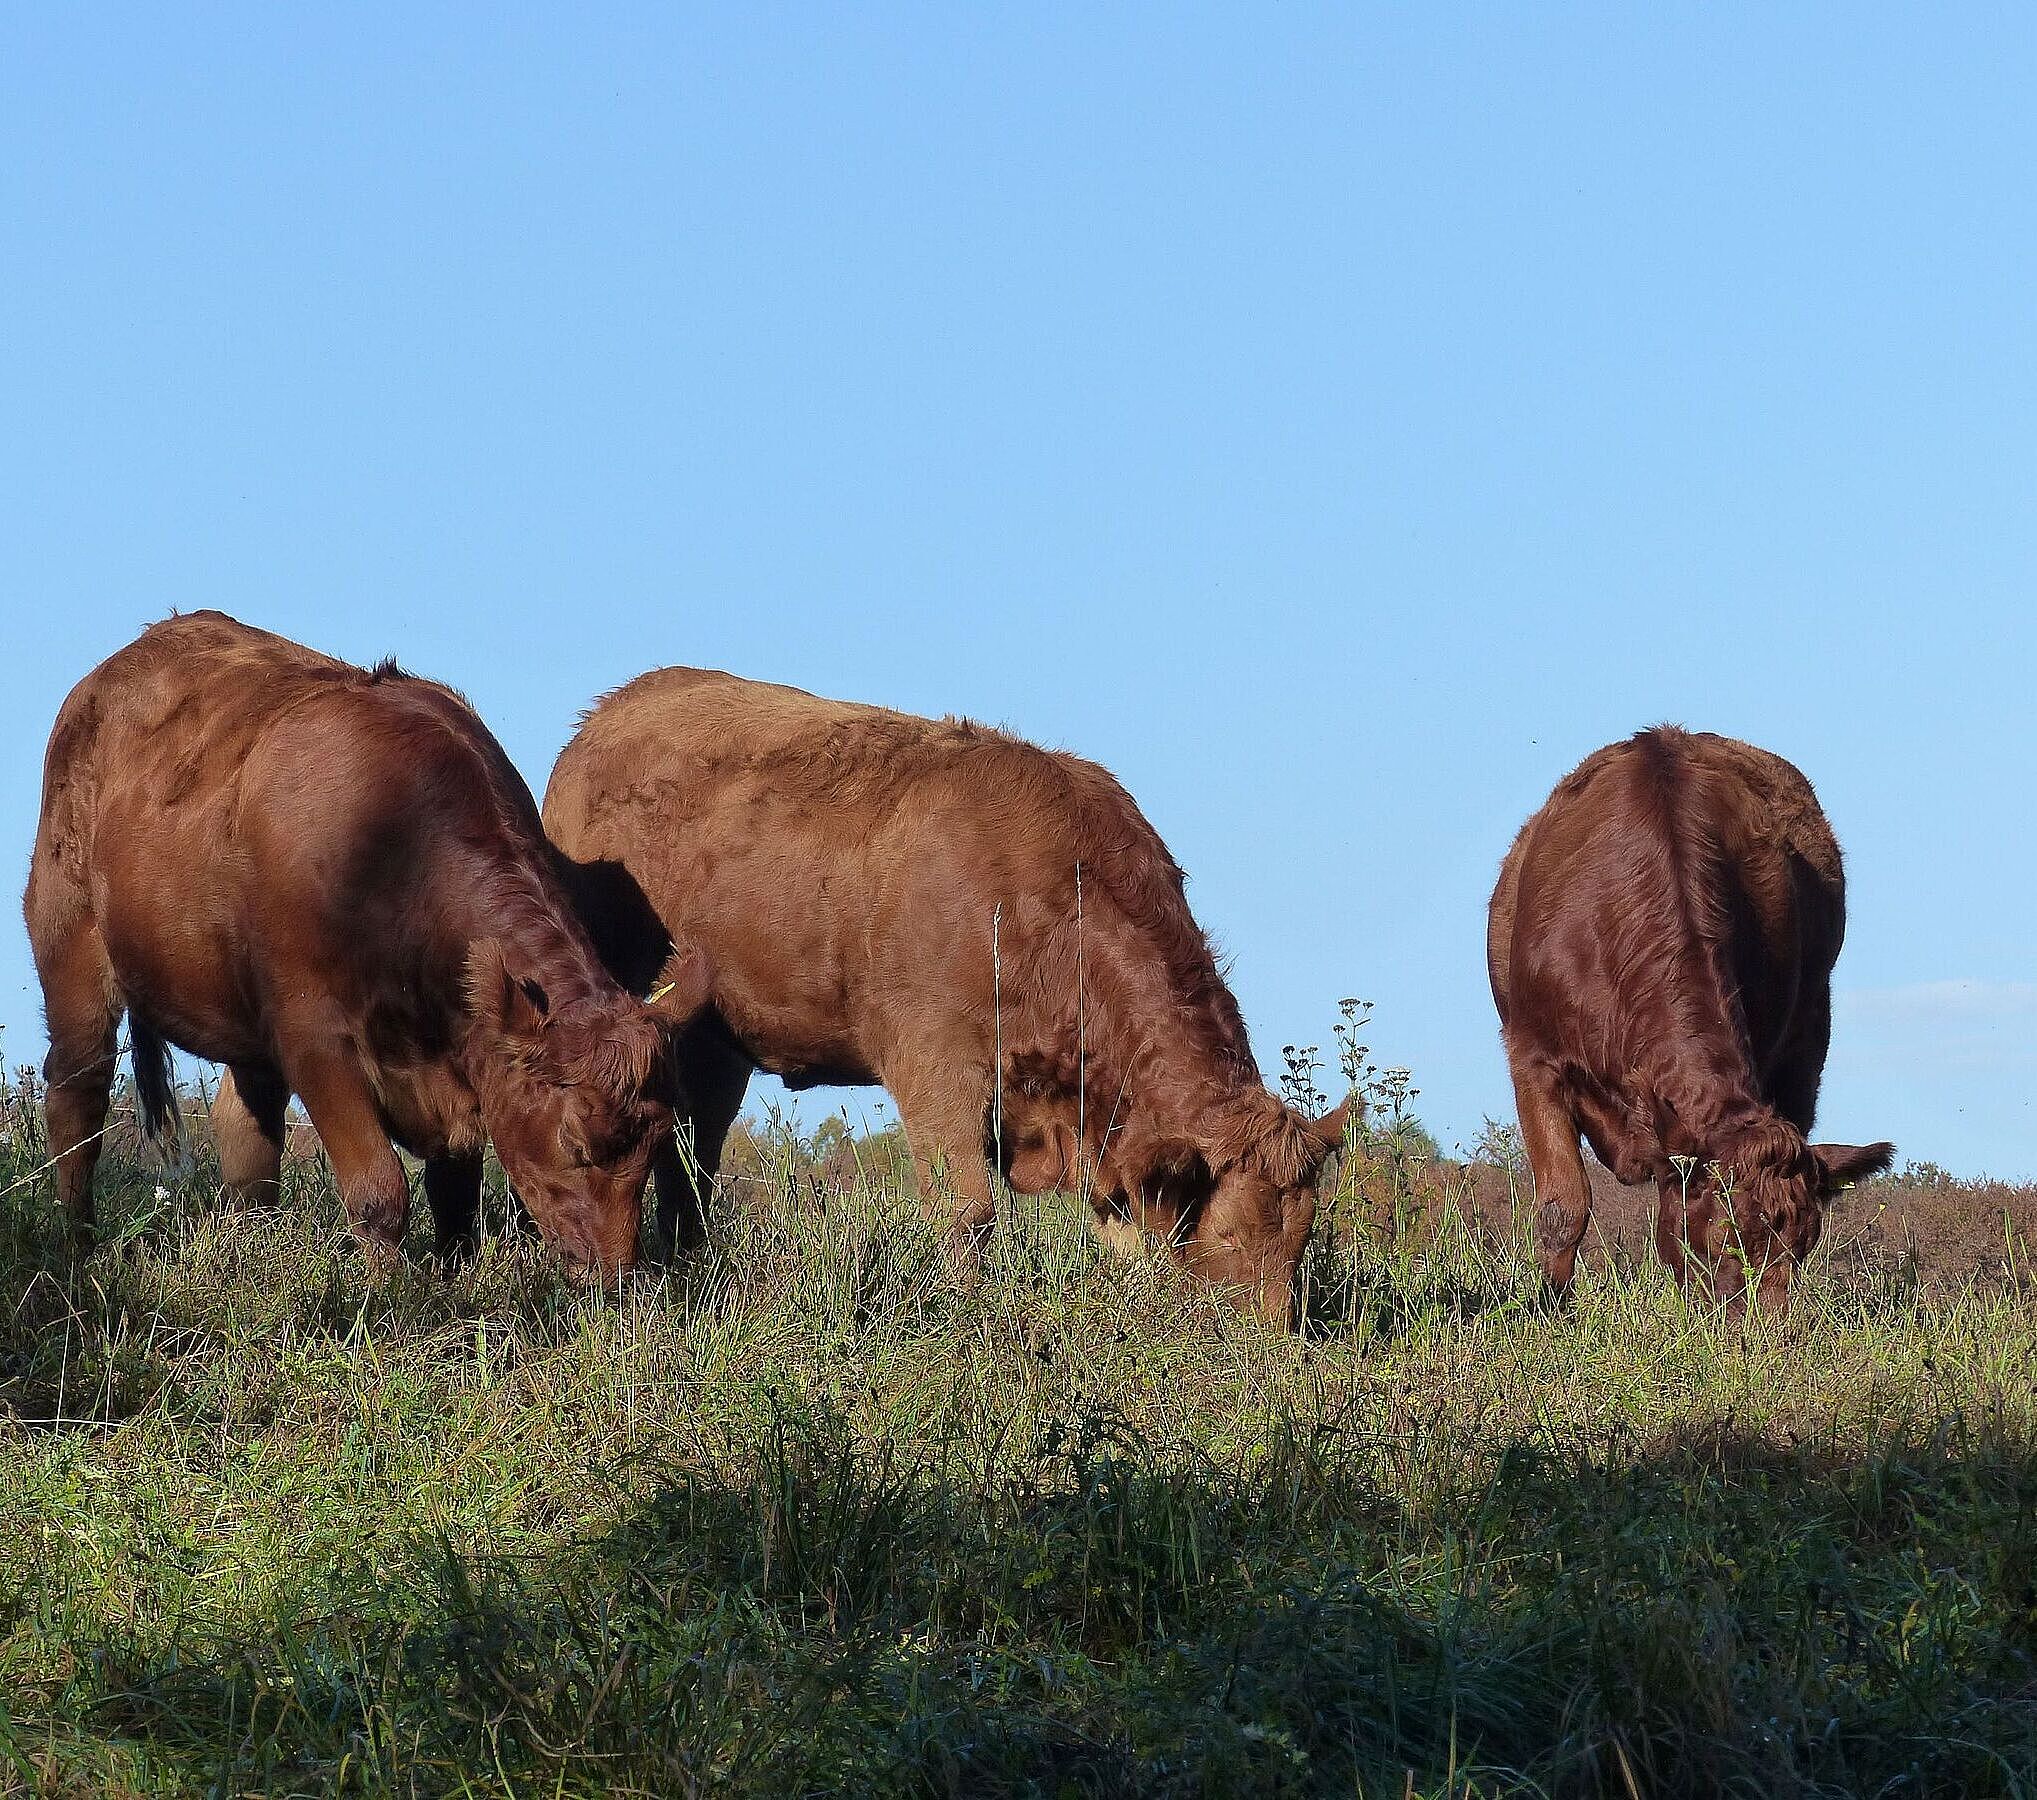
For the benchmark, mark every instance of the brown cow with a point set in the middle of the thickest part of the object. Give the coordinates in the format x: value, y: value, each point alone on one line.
x: 1661, y: 946
x: 888, y: 899
x: 334, y: 882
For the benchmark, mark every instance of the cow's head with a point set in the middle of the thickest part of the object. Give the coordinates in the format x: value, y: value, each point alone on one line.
x: 1246, y: 1223
x: 1749, y: 1219
x: 576, y: 1097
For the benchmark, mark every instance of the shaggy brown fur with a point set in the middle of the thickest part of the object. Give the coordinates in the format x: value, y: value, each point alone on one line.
x: 1661, y: 945
x: 333, y: 881
x: 893, y: 899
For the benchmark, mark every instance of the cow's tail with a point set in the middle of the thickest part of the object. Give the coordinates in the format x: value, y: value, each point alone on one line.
x: 154, y: 1083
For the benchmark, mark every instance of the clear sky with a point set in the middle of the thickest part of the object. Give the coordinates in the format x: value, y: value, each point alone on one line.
x: 1336, y: 420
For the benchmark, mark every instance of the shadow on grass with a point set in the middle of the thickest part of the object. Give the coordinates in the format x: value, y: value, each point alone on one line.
x: 1087, y: 1613
x: 1357, y: 1311
x: 1716, y: 1615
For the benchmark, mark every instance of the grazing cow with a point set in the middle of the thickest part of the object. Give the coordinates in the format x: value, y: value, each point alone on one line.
x: 990, y: 930
x: 332, y: 881
x: 1661, y: 946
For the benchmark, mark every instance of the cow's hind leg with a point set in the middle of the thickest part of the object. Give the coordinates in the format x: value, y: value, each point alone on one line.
x: 714, y: 1074
x: 452, y: 1186
x: 945, y: 1109
x: 1562, y: 1189
x: 247, y: 1124
x: 83, y: 1013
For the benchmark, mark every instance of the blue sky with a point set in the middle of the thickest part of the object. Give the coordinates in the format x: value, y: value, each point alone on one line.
x: 1338, y: 421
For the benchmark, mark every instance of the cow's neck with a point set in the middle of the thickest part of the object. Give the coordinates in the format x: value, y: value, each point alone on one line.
x: 1163, y: 1049
x: 1707, y: 1095
x: 1694, y: 1087
x: 1171, y: 1102
x: 523, y: 907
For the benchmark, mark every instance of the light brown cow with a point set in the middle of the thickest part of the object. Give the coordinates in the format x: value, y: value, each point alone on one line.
x: 893, y: 899
x: 333, y: 881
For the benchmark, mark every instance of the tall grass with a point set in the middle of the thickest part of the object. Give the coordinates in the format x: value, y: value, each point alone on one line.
x: 806, y: 1518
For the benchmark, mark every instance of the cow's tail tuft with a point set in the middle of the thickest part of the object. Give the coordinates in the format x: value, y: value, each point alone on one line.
x: 154, y: 1083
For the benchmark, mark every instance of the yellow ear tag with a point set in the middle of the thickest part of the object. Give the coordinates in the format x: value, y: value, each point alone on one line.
x: 658, y: 993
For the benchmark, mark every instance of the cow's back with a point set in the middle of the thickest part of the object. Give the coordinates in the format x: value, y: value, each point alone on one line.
x: 1676, y: 883
x: 693, y: 741
x: 1775, y: 833
x: 688, y: 766
x: 844, y: 865
x: 766, y: 826
x: 204, y: 729
x: 696, y: 778
x: 237, y: 810
x: 1785, y: 900
x: 169, y: 718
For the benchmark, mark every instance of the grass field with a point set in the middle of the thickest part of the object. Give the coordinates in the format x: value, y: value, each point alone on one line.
x: 807, y: 1519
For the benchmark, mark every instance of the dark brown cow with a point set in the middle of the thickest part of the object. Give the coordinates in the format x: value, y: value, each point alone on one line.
x: 893, y: 899
x: 1661, y: 946
x: 334, y: 882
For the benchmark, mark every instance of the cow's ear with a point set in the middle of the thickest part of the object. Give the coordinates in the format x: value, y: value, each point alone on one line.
x: 1840, y: 1165
x: 1331, y: 1126
x: 682, y: 988
x: 516, y: 1006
